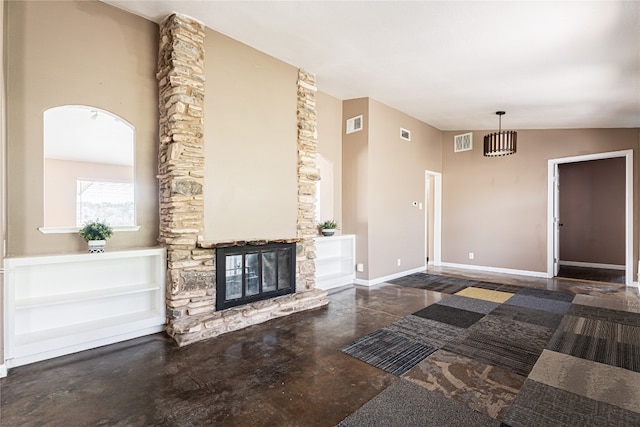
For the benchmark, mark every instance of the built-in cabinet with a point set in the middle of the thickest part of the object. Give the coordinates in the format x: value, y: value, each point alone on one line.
x: 62, y: 304
x: 335, y: 261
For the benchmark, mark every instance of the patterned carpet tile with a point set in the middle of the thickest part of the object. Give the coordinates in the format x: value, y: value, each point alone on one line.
x: 529, y: 337
x: 485, y: 388
x: 604, y: 383
x: 619, y: 354
x: 388, y: 351
x: 544, y: 293
x: 544, y: 406
x: 528, y: 315
x: 631, y: 304
x: 596, y: 328
x: 485, y: 294
x: 509, y: 288
x: 426, y: 331
x: 449, y: 285
x: 449, y: 315
x: 624, y: 317
x: 470, y: 304
x: 496, y: 351
x: 543, y: 304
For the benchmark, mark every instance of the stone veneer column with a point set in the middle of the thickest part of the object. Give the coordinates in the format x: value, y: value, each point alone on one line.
x: 190, y: 280
x: 308, y: 174
x: 190, y: 297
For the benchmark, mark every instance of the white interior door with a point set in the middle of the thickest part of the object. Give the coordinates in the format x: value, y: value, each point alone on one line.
x: 556, y: 221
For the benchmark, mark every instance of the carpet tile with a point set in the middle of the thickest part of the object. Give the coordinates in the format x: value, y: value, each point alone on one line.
x: 543, y: 304
x: 485, y: 388
x: 545, y: 406
x: 624, y: 317
x: 528, y: 315
x: 449, y: 315
x: 404, y: 403
x: 485, y: 294
x: 593, y: 380
x: 388, y: 351
x: 631, y: 304
x: 426, y: 331
x: 528, y: 336
x: 470, y: 304
x: 544, y: 293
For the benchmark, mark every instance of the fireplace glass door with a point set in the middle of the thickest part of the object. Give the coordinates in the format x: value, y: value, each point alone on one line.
x: 253, y: 273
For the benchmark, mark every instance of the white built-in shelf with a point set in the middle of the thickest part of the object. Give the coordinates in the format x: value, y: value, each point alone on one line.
x: 61, y: 304
x: 335, y: 261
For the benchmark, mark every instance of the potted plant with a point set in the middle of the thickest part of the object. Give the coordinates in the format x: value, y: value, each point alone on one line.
x: 96, y: 233
x: 328, y: 228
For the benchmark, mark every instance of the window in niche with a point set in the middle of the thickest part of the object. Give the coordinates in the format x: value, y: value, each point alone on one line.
x: 88, y: 168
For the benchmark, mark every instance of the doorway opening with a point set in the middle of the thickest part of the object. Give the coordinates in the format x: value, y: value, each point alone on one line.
x: 579, y: 255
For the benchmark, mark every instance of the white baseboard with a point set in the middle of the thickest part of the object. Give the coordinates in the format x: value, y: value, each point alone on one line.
x: 592, y: 265
x: 529, y: 273
x: 3, y: 371
x: 378, y: 280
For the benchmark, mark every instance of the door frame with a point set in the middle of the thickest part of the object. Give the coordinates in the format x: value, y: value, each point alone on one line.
x: 436, y: 177
x: 552, y: 201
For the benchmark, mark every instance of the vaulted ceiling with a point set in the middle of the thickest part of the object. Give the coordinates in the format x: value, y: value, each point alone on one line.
x: 452, y: 64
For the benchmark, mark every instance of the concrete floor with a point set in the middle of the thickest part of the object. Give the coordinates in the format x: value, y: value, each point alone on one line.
x: 286, y: 372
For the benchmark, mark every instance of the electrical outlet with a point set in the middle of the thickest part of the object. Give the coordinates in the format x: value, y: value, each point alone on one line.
x: 471, y: 255
x: 399, y: 262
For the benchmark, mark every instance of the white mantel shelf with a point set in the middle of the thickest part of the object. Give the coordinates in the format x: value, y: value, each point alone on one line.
x: 62, y: 304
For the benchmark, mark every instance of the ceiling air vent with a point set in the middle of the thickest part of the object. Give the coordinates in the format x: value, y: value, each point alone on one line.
x: 354, y: 124
x: 463, y: 142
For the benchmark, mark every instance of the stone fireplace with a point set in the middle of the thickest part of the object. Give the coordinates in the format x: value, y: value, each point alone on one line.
x: 191, y: 297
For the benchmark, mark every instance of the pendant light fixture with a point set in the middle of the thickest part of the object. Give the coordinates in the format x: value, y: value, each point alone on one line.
x: 501, y: 143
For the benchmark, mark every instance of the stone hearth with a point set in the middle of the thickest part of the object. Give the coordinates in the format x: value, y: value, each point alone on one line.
x: 191, y: 290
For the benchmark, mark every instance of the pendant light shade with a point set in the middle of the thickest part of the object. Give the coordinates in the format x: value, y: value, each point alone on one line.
x: 501, y: 143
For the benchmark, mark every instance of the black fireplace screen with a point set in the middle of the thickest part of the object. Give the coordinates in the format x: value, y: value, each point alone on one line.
x: 252, y: 273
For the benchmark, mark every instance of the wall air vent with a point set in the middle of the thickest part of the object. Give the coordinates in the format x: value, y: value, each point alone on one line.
x: 354, y: 124
x: 405, y: 134
x: 463, y: 142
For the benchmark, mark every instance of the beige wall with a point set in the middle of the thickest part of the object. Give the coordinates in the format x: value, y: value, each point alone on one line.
x: 497, y: 207
x: 250, y: 188
x: 592, y: 211
x: 81, y: 52
x: 329, y: 111
x: 396, y: 180
x: 382, y: 176
x: 355, y: 181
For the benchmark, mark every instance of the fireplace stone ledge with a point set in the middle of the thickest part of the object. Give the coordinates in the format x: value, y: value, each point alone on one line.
x: 211, y: 324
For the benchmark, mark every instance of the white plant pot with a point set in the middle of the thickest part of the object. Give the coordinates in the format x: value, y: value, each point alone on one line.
x: 96, y: 246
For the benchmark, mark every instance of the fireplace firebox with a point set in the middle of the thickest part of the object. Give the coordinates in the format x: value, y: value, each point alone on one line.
x: 247, y: 274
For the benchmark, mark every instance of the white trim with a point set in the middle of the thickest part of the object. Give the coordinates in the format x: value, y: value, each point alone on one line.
x: 373, y: 282
x: 552, y: 163
x: 63, y: 230
x: 3, y: 371
x: 592, y: 265
x: 496, y: 269
x: 437, y: 217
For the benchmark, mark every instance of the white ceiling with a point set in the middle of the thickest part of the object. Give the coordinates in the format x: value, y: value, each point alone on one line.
x: 452, y: 64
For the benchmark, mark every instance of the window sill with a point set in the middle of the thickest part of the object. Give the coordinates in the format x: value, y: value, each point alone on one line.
x: 63, y: 230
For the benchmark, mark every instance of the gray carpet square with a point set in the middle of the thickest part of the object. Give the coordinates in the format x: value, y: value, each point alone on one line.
x: 426, y: 331
x: 431, y: 282
x: 470, y: 304
x: 388, y: 351
x: 528, y: 336
x: 450, y: 315
x: 404, y: 403
x: 544, y: 406
x: 545, y: 293
x: 543, y: 304
x: 528, y: 315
